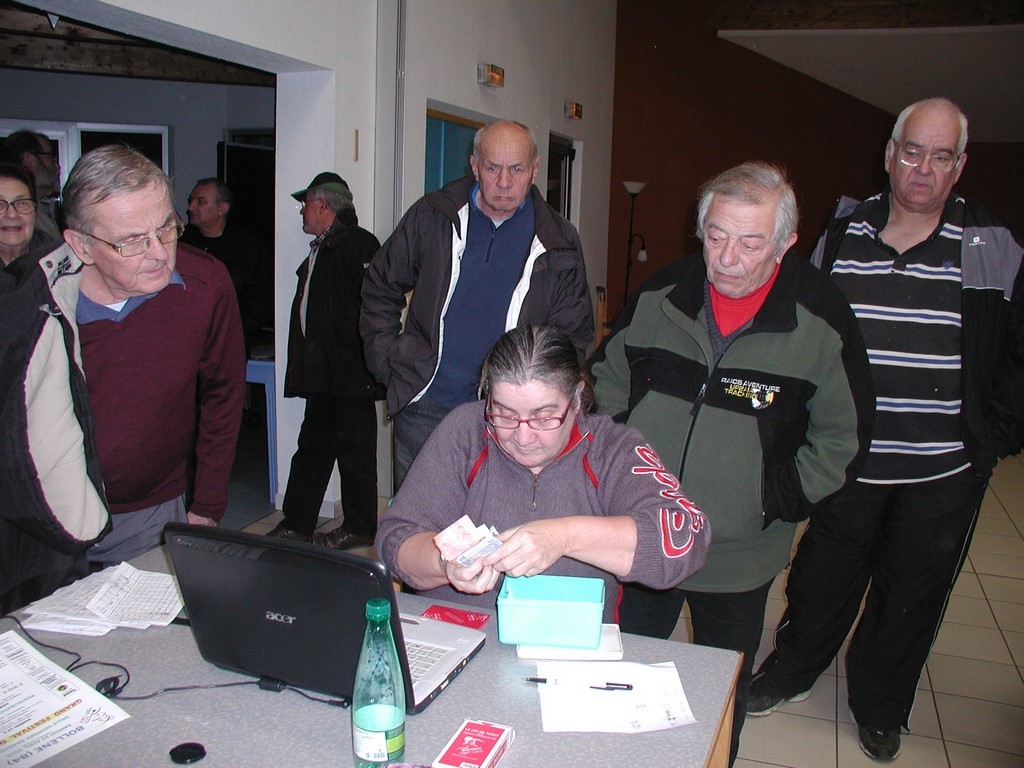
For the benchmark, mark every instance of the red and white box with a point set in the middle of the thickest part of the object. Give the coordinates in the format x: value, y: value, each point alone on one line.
x: 477, y: 744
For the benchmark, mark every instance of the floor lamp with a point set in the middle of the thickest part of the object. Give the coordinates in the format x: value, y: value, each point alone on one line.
x: 633, y: 187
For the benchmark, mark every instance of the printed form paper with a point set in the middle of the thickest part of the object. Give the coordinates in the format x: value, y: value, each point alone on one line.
x: 655, y: 702
x: 115, y: 597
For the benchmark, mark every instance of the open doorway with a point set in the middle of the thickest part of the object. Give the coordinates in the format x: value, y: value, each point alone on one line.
x: 561, y: 154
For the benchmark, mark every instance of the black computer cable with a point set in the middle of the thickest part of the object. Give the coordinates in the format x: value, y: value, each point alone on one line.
x: 112, y: 687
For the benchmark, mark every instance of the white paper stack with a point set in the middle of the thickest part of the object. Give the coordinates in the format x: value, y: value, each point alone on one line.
x: 116, y: 597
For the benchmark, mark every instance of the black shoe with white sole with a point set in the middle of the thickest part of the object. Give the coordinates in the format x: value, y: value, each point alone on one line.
x: 879, y: 743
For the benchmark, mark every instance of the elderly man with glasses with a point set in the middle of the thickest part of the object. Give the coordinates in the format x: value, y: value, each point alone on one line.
x: 161, y: 347
x: 935, y: 281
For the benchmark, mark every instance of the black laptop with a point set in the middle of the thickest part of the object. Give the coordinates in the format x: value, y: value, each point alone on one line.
x: 292, y: 613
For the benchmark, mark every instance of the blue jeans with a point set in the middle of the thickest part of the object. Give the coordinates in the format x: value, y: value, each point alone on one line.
x: 412, y: 426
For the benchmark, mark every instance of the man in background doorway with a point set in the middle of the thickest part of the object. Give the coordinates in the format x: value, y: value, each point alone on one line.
x: 247, y: 257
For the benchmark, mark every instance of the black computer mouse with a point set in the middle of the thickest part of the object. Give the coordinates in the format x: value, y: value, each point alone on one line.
x: 187, y: 753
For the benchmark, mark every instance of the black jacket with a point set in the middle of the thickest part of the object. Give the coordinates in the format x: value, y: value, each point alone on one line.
x: 423, y: 256
x: 52, y: 506
x: 251, y: 267
x: 992, y: 324
x: 328, y: 359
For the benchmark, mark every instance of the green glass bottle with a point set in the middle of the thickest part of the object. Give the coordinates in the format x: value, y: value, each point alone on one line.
x: 378, y: 698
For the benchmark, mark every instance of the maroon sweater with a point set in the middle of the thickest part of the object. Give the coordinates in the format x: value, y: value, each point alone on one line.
x: 146, y: 375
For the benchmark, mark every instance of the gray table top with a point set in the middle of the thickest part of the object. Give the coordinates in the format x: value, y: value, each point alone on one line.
x: 245, y: 726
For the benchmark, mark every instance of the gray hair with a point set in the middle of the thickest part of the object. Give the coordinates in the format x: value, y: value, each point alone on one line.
x: 105, y: 172
x: 336, y: 201
x: 897, y: 129
x: 478, y: 138
x: 539, y: 353
x: 753, y: 183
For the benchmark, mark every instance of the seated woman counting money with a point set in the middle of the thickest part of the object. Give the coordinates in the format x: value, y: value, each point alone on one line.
x: 570, y: 493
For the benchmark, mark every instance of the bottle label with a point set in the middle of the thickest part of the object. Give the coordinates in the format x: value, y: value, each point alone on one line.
x: 379, y: 746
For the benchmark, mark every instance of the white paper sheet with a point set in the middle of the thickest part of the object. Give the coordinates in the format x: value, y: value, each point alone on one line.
x: 570, y: 703
x: 45, y: 709
x: 116, y: 597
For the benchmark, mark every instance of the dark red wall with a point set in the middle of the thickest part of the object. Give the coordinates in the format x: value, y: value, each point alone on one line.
x: 689, y: 105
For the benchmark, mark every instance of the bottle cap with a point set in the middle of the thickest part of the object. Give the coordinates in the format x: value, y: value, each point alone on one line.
x: 378, y: 609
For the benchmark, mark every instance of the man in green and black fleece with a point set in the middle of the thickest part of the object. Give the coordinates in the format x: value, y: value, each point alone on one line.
x: 745, y: 369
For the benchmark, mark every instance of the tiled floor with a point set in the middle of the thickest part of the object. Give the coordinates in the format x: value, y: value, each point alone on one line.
x: 970, y: 709
x: 249, y: 504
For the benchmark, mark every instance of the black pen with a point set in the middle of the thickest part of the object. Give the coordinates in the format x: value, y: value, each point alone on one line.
x: 605, y: 687
x: 613, y: 687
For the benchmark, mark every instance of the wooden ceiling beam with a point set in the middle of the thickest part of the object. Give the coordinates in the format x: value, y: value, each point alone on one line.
x: 861, y: 14
x: 27, y: 41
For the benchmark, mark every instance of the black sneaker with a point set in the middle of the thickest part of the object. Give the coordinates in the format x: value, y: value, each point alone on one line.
x: 281, y: 531
x: 763, y: 704
x: 339, y: 539
x: 879, y: 743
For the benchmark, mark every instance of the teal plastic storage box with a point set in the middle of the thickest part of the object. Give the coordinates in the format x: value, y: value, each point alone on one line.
x: 563, y: 611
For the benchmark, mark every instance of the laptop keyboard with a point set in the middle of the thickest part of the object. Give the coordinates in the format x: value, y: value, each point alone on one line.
x: 423, y: 657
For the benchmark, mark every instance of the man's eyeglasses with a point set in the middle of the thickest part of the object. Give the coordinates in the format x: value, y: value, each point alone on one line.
x: 21, y: 206
x: 139, y: 245
x: 539, y: 423
x: 940, y: 161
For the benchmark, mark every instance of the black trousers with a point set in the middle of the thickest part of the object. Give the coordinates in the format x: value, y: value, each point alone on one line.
x: 729, y: 620
x: 342, y: 430
x: 909, y: 541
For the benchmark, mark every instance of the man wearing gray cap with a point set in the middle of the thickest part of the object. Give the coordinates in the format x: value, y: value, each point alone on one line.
x: 326, y: 366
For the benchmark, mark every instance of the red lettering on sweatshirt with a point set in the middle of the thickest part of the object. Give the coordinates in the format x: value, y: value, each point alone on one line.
x: 677, y: 526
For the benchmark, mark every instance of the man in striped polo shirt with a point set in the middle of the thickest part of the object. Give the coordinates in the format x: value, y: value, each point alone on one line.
x: 935, y: 282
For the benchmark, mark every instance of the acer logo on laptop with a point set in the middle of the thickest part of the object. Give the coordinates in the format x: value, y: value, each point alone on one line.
x: 281, y: 618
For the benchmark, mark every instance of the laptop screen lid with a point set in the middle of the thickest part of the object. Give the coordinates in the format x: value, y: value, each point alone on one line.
x: 294, y: 613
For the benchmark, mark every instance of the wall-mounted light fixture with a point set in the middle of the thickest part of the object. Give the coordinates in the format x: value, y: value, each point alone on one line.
x: 633, y: 187
x: 574, y: 110
x: 490, y: 75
